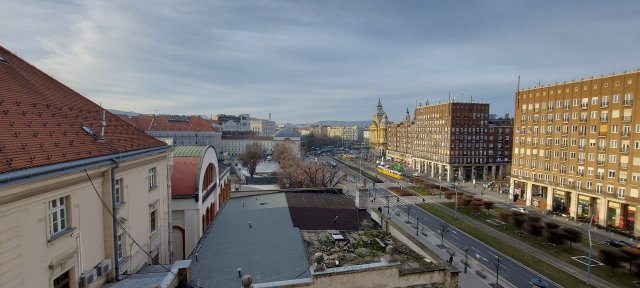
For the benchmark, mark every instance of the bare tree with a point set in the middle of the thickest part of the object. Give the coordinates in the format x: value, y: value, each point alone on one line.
x: 535, y: 228
x: 556, y: 236
x: 283, y: 155
x: 505, y: 216
x: 488, y: 205
x: 443, y: 228
x: 610, y: 256
x: 310, y: 175
x: 251, y: 157
x: 574, y: 235
x: 519, y: 220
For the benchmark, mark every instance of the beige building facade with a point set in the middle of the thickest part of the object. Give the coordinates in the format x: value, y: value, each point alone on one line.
x: 84, y: 195
x: 378, y: 131
x: 576, y: 149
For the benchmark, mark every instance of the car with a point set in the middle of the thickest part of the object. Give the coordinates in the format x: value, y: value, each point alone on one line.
x: 520, y: 210
x: 452, y: 185
x: 416, y: 174
x: 617, y: 243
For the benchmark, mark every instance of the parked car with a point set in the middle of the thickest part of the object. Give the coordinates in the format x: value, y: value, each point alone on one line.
x: 451, y: 185
x: 416, y: 174
x: 617, y: 243
x: 520, y: 209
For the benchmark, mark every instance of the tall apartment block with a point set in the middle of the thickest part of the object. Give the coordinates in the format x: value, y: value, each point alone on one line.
x: 577, y: 149
x: 456, y: 141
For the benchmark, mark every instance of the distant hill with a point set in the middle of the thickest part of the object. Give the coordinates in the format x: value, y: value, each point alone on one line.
x: 127, y: 113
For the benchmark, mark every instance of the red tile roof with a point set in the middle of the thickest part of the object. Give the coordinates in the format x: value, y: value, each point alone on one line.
x: 42, y: 120
x: 164, y: 123
x: 183, y: 175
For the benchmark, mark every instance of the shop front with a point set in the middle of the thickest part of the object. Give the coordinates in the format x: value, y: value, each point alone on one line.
x: 519, y: 191
x: 560, y: 202
x: 585, y: 211
x: 539, y: 196
x: 621, y: 216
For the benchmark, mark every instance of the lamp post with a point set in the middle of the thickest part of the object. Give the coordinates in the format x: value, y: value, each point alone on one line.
x: 590, y: 249
x: 455, y: 191
x: 440, y: 184
x: 466, y: 259
x: 417, y: 225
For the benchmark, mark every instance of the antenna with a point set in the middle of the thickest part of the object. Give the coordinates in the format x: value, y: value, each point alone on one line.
x: 103, y: 123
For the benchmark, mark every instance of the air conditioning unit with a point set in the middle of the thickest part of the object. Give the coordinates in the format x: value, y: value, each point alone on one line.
x: 87, y: 278
x: 104, y: 267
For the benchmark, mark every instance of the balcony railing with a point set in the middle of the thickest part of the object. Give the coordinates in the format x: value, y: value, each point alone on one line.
x: 549, y: 132
x: 581, y: 161
x: 628, y: 102
x: 626, y: 133
x: 583, y: 119
x: 624, y: 166
x: 550, y: 120
x: 624, y: 150
x: 600, y: 177
x: 567, y: 107
x: 600, y: 163
x: 580, y: 147
x: 580, y: 174
x: 602, y: 148
x: 626, y: 119
x: 604, y: 119
x: 604, y: 104
x: 584, y: 105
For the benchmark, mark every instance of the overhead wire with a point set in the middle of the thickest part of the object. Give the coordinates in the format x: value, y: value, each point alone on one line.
x: 106, y: 208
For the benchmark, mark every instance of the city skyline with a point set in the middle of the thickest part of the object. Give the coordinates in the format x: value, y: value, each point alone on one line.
x: 306, y: 62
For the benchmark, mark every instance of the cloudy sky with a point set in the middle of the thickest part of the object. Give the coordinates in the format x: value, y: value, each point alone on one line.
x: 305, y: 61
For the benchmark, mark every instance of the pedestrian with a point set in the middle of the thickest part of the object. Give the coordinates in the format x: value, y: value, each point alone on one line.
x: 450, y: 259
x: 250, y: 226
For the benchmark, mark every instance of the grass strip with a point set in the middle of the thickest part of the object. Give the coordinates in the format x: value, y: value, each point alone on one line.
x: 542, y: 267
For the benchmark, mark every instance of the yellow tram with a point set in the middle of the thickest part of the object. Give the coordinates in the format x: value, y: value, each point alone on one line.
x: 389, y: 172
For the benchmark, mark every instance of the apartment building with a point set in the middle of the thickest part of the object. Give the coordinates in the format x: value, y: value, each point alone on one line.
x: 458, y: 141
x: 83, y: 195
x: 178, y: 130
x: 400, y: 140
x: 576, y: 149
x: 263, y: 127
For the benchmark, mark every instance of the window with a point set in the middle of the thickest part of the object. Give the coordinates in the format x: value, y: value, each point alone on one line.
x: 118, y: 190
x: 63, y: 280
x: 153, y: 221
x: 152, y: 178
x: 620, y: 192
x: 121, y: 245
x: 57, y: 216
x: 612, y: 174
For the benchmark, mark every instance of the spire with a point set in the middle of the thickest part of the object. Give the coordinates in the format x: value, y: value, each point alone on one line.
x: 407, y: 116
x: 379, y: 109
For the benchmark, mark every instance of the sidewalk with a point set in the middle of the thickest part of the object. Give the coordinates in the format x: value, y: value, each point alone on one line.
x: 432, y: 240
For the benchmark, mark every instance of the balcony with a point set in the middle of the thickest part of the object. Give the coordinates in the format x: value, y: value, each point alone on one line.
x: 628, y: 102
x: 564, y: 146
x: 550, y: 120
x: 602, y: 134
x: 565, y: 133
x: 547, y: 157
x: 567, y: 107
x: 548, y: 145
x: 563, y: 159
x: 583, y: 133
x: 602, y: 148
x: 604, y: 119
x: 581, y: 147
x: 565, y: 120
x: 626, y: 133
x: 581, y: 161
x: 624, y: 150
x: 549, y: 132
x: 600, y: 163
x: 584, y: 105
x: 580, y: 174
x: 604, y: 104
x: 626, y: 119
x: 583, y: 119
x: 600, y: 177
x: 624, y: 166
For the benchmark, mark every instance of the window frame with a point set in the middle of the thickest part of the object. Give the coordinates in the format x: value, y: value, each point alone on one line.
x: 61, y: 223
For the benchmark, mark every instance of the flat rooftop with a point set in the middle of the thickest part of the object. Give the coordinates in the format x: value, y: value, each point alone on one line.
x: 271, y: 250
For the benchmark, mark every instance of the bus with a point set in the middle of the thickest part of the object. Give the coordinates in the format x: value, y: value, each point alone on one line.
x: 389, y: 172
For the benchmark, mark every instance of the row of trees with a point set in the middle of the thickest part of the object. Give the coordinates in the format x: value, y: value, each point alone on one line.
x: 555, y: 234
x: 612, y: 257
x: 297, y: 174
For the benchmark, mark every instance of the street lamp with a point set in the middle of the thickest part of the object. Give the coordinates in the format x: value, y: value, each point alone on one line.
x: 455, y: 191
x: 417, y: 225
x: 590, y: 249
x: 466, y: 259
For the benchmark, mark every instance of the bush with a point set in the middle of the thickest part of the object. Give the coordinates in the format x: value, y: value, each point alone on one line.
x: 518, y: 220
x: 505, y: 216
x: 551, y: 225
x: 611, y: 257
x: 556, y: 236
x: 488, y: 205
x: 535, y: 228
x: 574, y: 235
x: 631, y: 254
x: 534, y: 219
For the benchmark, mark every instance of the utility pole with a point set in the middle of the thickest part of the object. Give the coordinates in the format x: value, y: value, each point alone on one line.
x: 466, y: 259
x: 417, y: 225
x: 455, y: 211
x: 590, y: 248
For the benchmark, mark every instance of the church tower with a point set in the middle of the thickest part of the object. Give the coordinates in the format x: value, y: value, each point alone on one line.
x: 378, y: 130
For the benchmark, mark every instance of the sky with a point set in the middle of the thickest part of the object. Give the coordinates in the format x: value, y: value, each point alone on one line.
x: 305, y: 61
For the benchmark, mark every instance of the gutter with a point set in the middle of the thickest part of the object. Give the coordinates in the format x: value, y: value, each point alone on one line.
x: 35, y: 173
x: 116, y: 259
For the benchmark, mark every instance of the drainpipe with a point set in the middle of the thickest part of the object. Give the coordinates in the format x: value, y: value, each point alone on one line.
x: 116, y: 260
x: 170, y: 217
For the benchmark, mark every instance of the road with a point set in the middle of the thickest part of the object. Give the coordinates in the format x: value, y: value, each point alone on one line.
x: 510, y: 270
